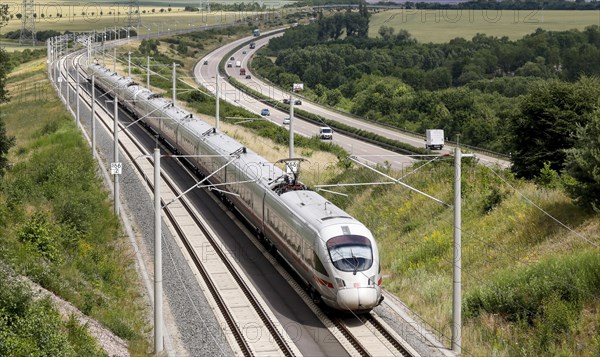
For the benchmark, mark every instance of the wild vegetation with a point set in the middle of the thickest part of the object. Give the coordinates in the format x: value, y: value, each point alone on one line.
x: 530, y: 285
x: 57, y: 229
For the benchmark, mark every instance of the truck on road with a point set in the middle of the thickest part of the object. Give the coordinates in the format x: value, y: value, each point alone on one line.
x: 238, y: 63
x: 325, y: 133
x: 434, y: 139
x: 242, y: 71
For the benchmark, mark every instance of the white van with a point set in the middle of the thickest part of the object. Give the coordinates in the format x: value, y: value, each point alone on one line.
x: 326, y: 133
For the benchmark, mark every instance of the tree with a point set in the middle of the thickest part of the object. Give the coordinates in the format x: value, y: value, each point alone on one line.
x: 4, y: 59
x: 386, y: 32
x: 6, y: 142
x: 547, y: 121
x: 583, y: 164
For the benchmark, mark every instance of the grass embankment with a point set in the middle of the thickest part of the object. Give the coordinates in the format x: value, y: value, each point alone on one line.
x: 57, y: 226
x: 530, y: 286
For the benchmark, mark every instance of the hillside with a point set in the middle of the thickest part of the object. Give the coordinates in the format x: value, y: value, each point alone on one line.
x: 531, y: 286
x: 58, y: 230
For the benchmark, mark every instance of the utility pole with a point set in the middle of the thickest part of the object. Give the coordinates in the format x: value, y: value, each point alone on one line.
x: 129, y: 64
x: 457, y: 266
x: 77, y: 98
x: 115, y: 60
x: 174, y: 84
x: 456, y: 271
x: 158, y: 313
x: 148, y: 73
x: 217, y: 103
x: 292, y: 125
x: 117, y: 164
x: 93, y: 117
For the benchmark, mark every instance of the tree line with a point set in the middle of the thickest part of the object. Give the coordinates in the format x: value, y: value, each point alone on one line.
x: 472, y: 5
x: 534, y: 99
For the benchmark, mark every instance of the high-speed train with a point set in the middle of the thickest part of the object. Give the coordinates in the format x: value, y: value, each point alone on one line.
x: 332, y: 252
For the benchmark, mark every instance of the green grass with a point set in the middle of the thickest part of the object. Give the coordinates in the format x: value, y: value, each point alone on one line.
x: 530, y: 286
x: 439, y: 26
x: 56, y: 223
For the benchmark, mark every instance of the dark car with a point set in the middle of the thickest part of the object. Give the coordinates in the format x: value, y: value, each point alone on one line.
x: 248, y: 76
x: 232, y: 58
x: 298, y: 102
x: 286, y: 101
x: 205, y: 62
x: 265, y: 112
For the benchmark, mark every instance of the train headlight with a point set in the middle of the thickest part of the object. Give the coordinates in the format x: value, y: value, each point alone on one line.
x: 340, y: 283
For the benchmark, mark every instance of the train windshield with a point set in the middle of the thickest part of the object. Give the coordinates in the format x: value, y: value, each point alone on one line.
x: 350, y: 253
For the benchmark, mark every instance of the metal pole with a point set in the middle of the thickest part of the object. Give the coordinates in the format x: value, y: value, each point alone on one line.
x: 77, y: 98
x: 93, y: 117
x: 456, y: 271
x: 59, y: 80
x: 129, y: 64
x: 116, y: 153
x: 148, y: 73
x: 115, y: 59
x: 291, y: 126
x: 158, y: 318
x: 217, y: 103
x: 68, y: 99
x: 174, y: 85
x: 55, y: 73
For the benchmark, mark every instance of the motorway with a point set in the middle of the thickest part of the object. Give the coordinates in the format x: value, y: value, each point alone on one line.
x: 205, y: 75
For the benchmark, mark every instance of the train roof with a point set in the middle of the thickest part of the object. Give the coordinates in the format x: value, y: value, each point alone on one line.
x: 315, y: 209
x: 257, y: 167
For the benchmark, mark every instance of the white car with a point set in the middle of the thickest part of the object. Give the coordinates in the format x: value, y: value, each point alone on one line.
x: 326, y: 133
x: 286, y: 121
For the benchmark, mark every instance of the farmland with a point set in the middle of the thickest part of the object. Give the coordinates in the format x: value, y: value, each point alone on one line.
x: 81, y: 16
x: 440, y: 26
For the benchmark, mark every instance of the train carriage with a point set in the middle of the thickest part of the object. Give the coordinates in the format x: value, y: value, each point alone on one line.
x: 332, y: 252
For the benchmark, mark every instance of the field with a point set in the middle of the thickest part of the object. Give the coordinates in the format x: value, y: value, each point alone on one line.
x: 440, y: 26
x: 82, y: 16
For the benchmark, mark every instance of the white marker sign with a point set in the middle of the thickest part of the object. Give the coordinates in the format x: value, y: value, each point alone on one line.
x: 116, y: 168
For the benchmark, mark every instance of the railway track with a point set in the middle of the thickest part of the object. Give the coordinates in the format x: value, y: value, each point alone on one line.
x: 253, y: 329
x: 238, y: 303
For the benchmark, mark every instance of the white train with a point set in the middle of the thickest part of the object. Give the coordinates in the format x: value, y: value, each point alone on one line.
x: 331, y: 251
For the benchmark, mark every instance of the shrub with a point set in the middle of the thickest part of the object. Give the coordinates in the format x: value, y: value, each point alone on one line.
x: 39, y: 233
x: 573, y: 279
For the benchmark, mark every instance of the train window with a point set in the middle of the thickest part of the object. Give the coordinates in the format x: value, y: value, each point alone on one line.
x: 319, y: 265
x: 350, y: 253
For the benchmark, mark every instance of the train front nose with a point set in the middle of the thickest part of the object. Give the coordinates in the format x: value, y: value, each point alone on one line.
x: 358, y: 299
